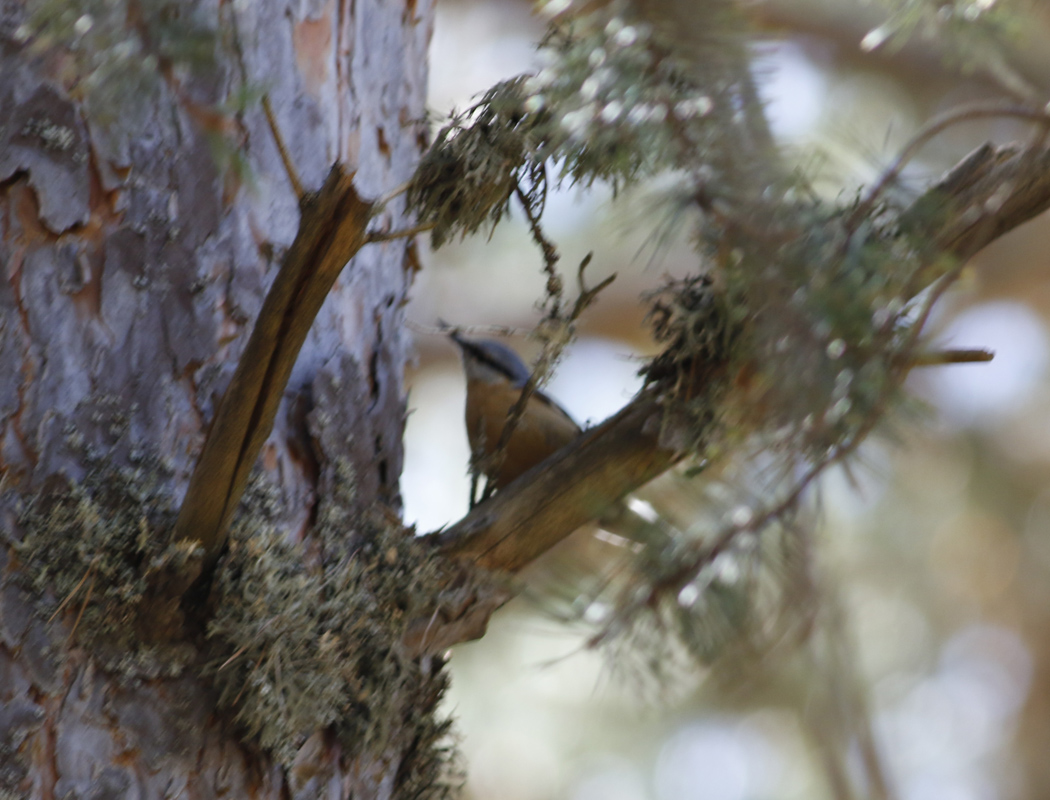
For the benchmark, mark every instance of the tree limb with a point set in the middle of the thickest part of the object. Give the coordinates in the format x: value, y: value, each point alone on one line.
x: 990, y: 192
x: 332, y: 229
x: 547, y: 503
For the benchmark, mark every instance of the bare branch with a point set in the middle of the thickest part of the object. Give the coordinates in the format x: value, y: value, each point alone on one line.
x: 404, y: 233
x: 551, y: 500
x: 331, y: 230
x: 286, y: 158
x: 989, y: 193
x: 952, y: 356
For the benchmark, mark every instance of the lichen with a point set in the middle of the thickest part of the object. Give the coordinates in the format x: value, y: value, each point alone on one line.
x: 302, y: 640
x: 90, y: 549
x: 615, y: 102
x: 690, y: 319
x: 300, y: 645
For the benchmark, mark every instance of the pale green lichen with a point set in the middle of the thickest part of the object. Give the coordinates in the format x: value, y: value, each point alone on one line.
x: 300, y: 640
x: 89, y: 548
x: 301, y: 645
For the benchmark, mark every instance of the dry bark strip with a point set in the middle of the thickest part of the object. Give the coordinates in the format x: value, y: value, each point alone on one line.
x: 332, y: 229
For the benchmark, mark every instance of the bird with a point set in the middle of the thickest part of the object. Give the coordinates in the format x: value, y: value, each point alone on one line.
x: 495, y: 377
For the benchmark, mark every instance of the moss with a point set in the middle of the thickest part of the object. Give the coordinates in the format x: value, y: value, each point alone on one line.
x: 302, y: 639
x: 299, y: 647
x: 468, y: 175
x: 91, y: 550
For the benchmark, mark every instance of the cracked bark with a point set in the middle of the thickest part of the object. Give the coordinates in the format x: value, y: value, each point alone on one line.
x: 130, y: 281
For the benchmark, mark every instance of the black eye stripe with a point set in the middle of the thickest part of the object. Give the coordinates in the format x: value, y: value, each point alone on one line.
x: 488, y: 361
x: 485, y: 351
x: 497, y: 356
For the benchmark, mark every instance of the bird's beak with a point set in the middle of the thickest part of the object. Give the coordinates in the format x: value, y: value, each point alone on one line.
x: 453, y: 334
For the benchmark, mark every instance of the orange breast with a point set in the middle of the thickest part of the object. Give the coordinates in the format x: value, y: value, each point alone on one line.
x: 544, y: 429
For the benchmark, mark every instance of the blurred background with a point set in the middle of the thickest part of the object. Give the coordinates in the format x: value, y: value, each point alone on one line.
x: 937, y: 544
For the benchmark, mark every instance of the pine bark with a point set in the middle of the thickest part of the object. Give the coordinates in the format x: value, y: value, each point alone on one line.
x: 133, y: 268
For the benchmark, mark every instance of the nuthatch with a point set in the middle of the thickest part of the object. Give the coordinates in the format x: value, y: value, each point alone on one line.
x: 495, y: 377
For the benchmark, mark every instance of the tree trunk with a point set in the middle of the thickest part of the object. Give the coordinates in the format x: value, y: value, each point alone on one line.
x: 134, y: 266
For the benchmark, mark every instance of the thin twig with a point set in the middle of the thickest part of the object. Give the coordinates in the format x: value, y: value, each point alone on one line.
x: 492, y: 463
x: 430, y: 626
x: 443, y: 329
x: 551, y: 351
x: 258, y: 661
x: 587, y: 296
x: 404, y: 233
x: 550, y: 252
x: 397, y: 191
x: 289, y: 167
x: 237, y: 654
x: 951, y: 356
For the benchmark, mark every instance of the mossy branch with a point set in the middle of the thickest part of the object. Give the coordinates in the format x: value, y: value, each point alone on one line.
x: 990, y: 192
